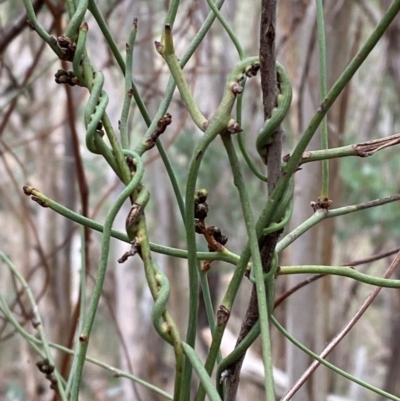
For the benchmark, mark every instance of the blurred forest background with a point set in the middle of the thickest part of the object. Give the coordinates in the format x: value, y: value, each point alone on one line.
x: 41, y: 132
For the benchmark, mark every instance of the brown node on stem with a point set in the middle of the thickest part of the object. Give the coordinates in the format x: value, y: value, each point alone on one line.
x: 39, y: 201
x: 67, y: 46
x: 132, y: 252
x: 252, y: 70
x: 223, y: 314
x: 83, y: 338
x: 323, y: 203
x: 159, y: 46
x: 162, y: 125
x: 236, y: 88
x: 66, y: 77
x: 28, y: 190
x: 234, y: 127
x: 31, y: 24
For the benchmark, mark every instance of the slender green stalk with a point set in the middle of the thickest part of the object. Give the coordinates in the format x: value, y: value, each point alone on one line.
x: 330, y: 365
x: 362, y: 149
x: 322, y: 214
x: 123, y: 125
x: 82, y: 310
x: 37, y: 323
x: 225, y: 255
x: 323, y: 92
x: 167, y: 51
x: 172, y: 11
x: 264, y: 301
x: 172, y: 177
x: 205, y: 379
x: 346, y: 271
x: 105, y: 248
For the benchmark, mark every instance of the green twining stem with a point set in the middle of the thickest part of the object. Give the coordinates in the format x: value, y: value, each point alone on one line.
x: 95, y: 110
x: 73, y: 26
x: 167, y: 51
x: 205, y: 379
x: 105, y: 248
x: 239, y: 351
x: 80, y: 53
x: 281, y: 224
x: 278, y: 114
x: 160, y: 304
x: 330, y: 365
x: 318, y: 216
x: 152, y: 124
x: 159, y: 288
x: 240, y: 138
x: 37, y: 322
x: 5, y: 310
x: 217, y: 125
x: 123, y: 125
